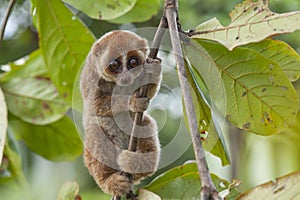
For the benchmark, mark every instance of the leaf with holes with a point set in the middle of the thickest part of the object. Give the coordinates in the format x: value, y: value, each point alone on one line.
x: 58, y: 141
x: 213, y: 140
x: 250, y: 22
x: 182, y: 182
x: 137, y: 13
x: 103, y: 9
x: 34, y: 100
x: 64, y: 42
x: 3, y: 123
x: 285, y: 187
x: 281, y: 53
x: 259, y: 96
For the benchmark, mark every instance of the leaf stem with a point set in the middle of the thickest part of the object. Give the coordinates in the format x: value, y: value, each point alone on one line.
x: 208, y: 190
x: 5, y: 19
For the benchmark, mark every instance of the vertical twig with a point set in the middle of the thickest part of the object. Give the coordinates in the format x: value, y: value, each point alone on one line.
x: 5, y: 18
x: 143, y: 91
x: 208, y: 190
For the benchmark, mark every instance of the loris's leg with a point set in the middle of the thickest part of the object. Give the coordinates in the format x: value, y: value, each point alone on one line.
x: 144, y: 161
x: 108, y: 179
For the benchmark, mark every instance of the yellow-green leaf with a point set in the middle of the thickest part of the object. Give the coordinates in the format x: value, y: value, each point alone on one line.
x: 259, y: 96
x: 103, y: 9
x: 251, y: 21
x: 68, y: 191
x: 64, y: 42
x: 285, y: 187
x: 282, y: 54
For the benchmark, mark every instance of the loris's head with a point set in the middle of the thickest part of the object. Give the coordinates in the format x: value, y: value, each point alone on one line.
x: 118, y: 56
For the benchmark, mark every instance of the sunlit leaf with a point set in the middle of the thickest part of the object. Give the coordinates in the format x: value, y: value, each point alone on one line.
x: 285, y: 187
x: 34, y: 100
x: 182, y: 182
x: 68, y: 191
x: 34, y: 66
x: 58, y: 141
x: 281, y: 53
x: 214, y: 141
x: 3, y: 123
x: 138, y: 14
x: 103, y: 9
x: 259, y: 96
x: 145, y: 194
x: 64, y: 42
x: 250, y: 22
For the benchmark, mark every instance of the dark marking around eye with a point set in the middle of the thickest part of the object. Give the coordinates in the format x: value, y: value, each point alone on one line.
x: 115, y: 66
x: 133, y: 62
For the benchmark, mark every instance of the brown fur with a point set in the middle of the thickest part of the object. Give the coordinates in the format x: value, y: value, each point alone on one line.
x: 107, y: 117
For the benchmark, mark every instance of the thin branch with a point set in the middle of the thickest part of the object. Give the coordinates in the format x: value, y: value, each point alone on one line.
x: 208, y: 190
x: 143, y: 90
x: 5, y: 19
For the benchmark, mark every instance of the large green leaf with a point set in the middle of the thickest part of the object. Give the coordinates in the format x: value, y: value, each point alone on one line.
x: 103, y: 9
x: 34, y: 100
x: 281, y: 53
x: 138, y: 14
x: 58, y: 141
x: 182, y: 182
x: 34, y: 66
x: 64, y: 42
x: 285, y: 187
x: 250, y: 22
x: 3, y: 124
x: 259, y: 96
x: 213, y: 142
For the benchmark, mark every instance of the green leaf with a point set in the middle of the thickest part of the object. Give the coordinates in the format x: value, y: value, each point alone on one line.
x: 3, y: 124
x: 182, y: 182
x: 58, y: 141
x: 250, y: 22
x: 103, y: 9
x: 145, y: 194
x: 259, y: 96
x: 34, y: 66
x: 64, y: 42
x: 12, y: 170
x: 34, y: 100
x: 214, y: 141
x: 281, y: 53
x: 68, y: 191
x: 285, y: 187
x: 138, y: 14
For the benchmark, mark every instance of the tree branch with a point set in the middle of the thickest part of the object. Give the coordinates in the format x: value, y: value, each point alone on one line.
x: 208, y: 190
x: 143, y: 92
x: 5, y: 18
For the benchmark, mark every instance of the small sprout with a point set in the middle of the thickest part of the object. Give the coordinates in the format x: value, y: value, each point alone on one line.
x: 246, y: 126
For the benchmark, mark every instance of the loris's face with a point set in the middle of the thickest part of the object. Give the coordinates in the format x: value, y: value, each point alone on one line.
x: 120, y: 56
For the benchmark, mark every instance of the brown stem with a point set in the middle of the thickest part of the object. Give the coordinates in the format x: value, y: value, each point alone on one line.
x: 208, y: 190
x: 143, y: 90
x: 5, y: 19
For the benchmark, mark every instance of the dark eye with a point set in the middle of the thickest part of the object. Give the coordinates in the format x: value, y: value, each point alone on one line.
x: 115, y: 66
x: 133, y: 62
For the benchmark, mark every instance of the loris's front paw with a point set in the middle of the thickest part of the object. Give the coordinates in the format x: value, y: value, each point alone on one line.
x: 139, y: 104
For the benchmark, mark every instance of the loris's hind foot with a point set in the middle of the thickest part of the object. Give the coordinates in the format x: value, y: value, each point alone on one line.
x: 117, y: 184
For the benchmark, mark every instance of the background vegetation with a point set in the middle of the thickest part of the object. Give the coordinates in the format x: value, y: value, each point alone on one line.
x: 43, y: 162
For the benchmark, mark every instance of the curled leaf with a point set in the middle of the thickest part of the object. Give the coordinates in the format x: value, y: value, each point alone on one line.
x: 251, y: 21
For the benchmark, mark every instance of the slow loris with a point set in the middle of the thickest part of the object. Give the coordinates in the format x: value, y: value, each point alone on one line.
x: 114, y: 70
